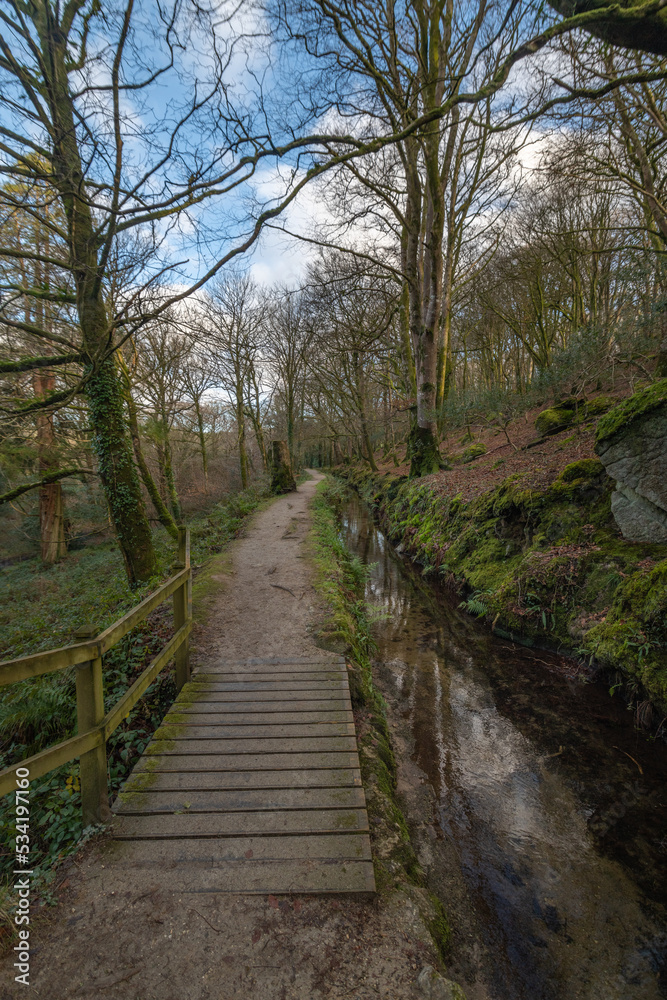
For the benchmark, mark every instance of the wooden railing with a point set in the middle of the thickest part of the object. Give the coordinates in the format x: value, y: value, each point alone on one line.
x: 94, y: 727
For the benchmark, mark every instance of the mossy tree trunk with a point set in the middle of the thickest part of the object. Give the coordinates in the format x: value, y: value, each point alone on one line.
x: 103, y: 388
x: 118, y: 473
x: 282, y: 478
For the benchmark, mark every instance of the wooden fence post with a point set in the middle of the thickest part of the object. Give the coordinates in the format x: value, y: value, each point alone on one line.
x: 183, y: 608
x: 90, y: 713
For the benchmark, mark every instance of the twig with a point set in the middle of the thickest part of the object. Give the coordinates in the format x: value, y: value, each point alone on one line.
x: 641, y: 771
x: 217, y: 930
x: 278, y: 586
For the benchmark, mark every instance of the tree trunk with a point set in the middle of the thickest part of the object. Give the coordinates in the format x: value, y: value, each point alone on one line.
x: 164, y: 517
x: 118, y: 473
x: 202, y: 443
x: 51, y: 506
x: 174, y: 502
x: 51, y: 523
x: 289, y: 408
x: 282, y: 478
x: 240, y: 422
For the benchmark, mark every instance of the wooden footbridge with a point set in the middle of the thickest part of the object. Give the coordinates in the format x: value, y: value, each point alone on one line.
x: 250, y: 785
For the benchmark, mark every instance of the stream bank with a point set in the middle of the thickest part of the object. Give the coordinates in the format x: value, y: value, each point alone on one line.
x: 535, y: 807
x: 542, y: 565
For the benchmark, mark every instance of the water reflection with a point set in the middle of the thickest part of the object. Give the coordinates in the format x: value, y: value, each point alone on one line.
x: 523, y: 764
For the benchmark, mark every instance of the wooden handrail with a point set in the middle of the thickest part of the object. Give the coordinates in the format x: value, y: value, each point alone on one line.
x: 23, y: 667
x: 20, y: 669
x: 95, y: 728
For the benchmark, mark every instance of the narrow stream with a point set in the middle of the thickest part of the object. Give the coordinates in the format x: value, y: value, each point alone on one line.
x: 539, y: 812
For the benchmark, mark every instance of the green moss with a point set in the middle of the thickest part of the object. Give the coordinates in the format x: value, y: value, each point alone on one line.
x: 158, y: 745
x: 439, y: 927
x: 585, y: 468
x: 630, y: 409
x: 594, y: 407
x: 176, y: 718
x: 473, y: 452
x: 140, y: 781
x: 554, y: 419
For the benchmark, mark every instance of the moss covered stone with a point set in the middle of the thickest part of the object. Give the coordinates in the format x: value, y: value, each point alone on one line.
x: 473, y: 452
x: 599, y: 405
x: 556, y: 418
x: 585, y: 468
x: 650, y: 398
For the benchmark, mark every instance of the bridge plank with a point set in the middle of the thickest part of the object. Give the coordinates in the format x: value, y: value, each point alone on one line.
x: 293, y: 876
x: 195, y: 852
x: 236, y: 824
x: 237, y: 800
x: 162, y: 780
x: 209, y: 730
x: 294, y: 698
x: 224, y: 718
x: 252, y: 784
x: 244, y: 762
x: 214, y: 680
x: 267, y: 703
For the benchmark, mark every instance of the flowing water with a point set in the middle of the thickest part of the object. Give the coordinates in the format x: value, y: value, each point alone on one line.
x: 539, y: 811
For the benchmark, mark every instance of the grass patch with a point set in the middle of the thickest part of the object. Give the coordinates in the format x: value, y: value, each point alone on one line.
x: 340, y: 580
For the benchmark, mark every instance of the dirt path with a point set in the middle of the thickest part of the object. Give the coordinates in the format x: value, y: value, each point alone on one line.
x: 123, y: 935
x: 266, y: 607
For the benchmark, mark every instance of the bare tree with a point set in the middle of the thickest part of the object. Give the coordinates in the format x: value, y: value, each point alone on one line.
x: 232, y: 328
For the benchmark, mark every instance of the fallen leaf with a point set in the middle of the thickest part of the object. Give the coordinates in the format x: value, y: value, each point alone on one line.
x: 273, y: 902
x: 248, y: 854
x: 256, y: 935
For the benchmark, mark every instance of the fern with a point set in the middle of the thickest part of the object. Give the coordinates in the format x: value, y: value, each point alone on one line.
x: 475, y: 605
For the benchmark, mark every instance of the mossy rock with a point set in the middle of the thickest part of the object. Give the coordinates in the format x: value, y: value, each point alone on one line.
x: 601, y: 404
x: 586, y: 468
x: 650, y: 398
x: 555, y: 419
x: 473, y: 452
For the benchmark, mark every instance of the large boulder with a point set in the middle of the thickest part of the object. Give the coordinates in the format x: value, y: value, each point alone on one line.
x: 631, y: 441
